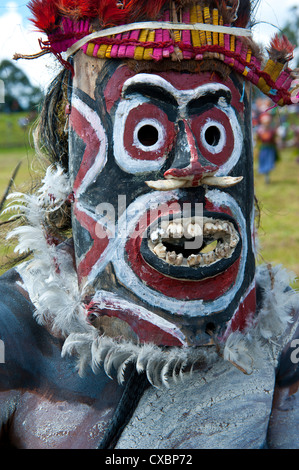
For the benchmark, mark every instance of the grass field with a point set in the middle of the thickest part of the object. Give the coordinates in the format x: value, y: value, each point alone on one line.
x: 12, y: 135
x: 279, y: 203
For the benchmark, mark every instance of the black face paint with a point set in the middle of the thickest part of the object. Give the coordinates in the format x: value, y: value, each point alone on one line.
x: 145, y: 274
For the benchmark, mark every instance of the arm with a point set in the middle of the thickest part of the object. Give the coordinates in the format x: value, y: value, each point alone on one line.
x: 16, y: 365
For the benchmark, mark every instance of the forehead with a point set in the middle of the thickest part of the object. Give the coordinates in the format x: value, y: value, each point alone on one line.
x: 89, y: 73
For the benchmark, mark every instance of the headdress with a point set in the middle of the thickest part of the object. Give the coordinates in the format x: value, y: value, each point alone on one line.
x: 166, y: 29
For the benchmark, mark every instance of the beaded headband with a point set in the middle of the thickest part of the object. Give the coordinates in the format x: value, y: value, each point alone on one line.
x: 158, y: 30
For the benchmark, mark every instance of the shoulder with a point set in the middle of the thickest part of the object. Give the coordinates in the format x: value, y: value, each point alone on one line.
x: 22, y: 339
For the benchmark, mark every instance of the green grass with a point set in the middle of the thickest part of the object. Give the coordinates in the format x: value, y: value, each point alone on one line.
x: 15, y: 147
x: 9, y: 159
x: 12, y: 135
x: 279, y: 202
x: 27, y: 173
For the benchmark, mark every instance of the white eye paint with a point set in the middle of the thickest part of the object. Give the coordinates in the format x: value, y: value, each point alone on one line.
x: 213, y: 136
x: 238, y: 143
x: 149, y: 135
x: 124, y: 160
x: 183, y: 97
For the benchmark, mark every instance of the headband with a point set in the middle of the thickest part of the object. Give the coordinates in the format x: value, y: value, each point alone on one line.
x: 159, y: 30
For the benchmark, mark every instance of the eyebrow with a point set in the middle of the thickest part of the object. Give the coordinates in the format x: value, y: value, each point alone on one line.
x: 153, y: 91
x: 211, y: 97
x: 190, y: 100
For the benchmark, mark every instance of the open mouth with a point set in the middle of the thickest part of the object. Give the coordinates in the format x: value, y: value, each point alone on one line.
x: 192, y: 247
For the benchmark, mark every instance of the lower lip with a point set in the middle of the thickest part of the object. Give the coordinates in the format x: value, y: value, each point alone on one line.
x: 209, y: 288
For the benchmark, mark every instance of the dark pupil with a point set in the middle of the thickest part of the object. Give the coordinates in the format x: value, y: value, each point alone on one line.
x: 148, y: 135
x: 212, y: 136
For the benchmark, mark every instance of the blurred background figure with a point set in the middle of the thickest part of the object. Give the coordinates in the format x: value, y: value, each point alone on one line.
x: 267, y: 146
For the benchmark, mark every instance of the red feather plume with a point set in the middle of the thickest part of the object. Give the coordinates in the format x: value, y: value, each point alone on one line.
x: 281, y: 49
x: 48, y: 13
x: 45, y: 14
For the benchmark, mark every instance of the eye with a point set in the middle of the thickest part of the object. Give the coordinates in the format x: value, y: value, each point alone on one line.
x: 215, y: 132
x: 149, y: 135
x: 213, y: 136
x: 143, y: 136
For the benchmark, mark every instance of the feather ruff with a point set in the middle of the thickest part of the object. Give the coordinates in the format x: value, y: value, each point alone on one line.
x: 272, y: 321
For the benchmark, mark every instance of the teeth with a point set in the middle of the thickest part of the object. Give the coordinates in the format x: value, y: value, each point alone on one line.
x: 157, y: 235
x: 179, y: 259
x: 195, y: 260
x: 194, y: 230
x: 209, y: 228
x: 209, y: 258
x: 223, y: 251
x: 202, y: 259
x: 234, y: 241
x: 160, y: 250
x: 222, y: 238
x: 175, y: 230
x: 192, y: 260
x: 171, y: 257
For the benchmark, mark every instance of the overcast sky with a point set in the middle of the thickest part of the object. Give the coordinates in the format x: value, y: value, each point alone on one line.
x: 17, y: 34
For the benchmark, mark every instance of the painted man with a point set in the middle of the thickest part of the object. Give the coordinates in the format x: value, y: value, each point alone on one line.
x: 179, y: 340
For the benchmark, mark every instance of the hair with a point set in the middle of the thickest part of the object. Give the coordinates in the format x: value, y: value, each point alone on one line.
x: 50, y: 136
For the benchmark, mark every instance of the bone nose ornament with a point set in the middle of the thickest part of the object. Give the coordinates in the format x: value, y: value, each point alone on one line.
x: 195, y: 174
x: 177, y: 183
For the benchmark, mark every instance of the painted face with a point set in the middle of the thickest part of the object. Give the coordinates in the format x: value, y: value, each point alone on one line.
x: 163, y: 241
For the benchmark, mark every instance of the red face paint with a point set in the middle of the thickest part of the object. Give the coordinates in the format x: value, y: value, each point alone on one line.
x: 158, y: 127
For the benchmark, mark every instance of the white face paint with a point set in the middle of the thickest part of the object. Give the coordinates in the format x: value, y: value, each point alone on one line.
x: 133, y: 100
x: 159, y: 141
x: 100, y: 160
x: 217, y: 141
x: 186, y: 129
x: 123, y: 158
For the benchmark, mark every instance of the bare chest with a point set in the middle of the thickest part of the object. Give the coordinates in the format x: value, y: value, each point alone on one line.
x: 221, y: 409
x: 41, y: 423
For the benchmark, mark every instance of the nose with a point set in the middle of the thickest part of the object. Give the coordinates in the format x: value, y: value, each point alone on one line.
x: 188, y: 162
